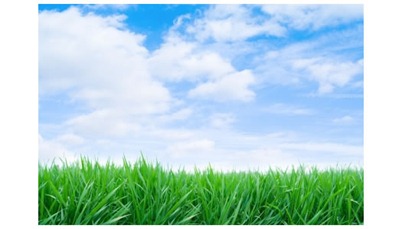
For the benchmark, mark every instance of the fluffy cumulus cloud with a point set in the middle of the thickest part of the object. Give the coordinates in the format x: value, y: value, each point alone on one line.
x: 229, y: 23
x: 214, y: 77
x: 95, y: 60
x: 103, y: 123
x: 179, y: 60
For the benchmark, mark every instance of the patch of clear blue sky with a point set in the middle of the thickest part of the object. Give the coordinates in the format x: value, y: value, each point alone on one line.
x: 58, y: 108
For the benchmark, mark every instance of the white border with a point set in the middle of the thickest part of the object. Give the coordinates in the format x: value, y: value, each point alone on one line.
x: 19, y: 115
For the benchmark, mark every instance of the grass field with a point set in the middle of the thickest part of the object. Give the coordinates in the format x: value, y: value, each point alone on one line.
x: 143, y: 193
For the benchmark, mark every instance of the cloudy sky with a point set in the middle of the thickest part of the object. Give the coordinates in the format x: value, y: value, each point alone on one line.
x: 236, y: 86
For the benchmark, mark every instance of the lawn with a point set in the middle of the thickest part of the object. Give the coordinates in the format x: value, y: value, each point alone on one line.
x: 142, y: 193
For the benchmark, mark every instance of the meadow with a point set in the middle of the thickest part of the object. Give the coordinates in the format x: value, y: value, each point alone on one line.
x: 142, y: 193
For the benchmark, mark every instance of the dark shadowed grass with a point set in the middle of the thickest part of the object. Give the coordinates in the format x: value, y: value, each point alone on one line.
x: 87, y: 192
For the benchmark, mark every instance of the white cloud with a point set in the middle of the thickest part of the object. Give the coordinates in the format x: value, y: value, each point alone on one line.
x: 214, y: 77
x: 328, y: 73
x: 222, y: 120
x: 262, y: 159
x: 228, y: 23
x: 192, y: 148
x: 317, y: 60
x: 231, y: 87
x: 170, y: 135
x: 178, y: 60
x: 227, y: 150
x: 325, y: 147
x: 50, y: 150
x: 102, y: 123
x: 343, y: 120
x: 284, y: 109
x: 233, y: 23
x: 313, y: 17
x: 95, y: 60
x: 181, y: 114
x: 70, y: 139
x: 117, y: 7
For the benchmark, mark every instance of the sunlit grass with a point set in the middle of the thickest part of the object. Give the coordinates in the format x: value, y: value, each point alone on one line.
x: 142, y: 193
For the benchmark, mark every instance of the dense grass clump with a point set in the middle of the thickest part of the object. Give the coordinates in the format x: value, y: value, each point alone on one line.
x: 142, y: 193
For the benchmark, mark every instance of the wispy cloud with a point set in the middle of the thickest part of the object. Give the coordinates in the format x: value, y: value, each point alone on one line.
x: 230, y: 87
x: 228, y: 23
x: 53, y: 150
x: 181, y: 114
x: 343, y: 120
x: 191, y: 148
x: 284, y: 109
x: 105, y: 7
x: 325, y: 148
x: 222, y: 120
x: 329, y: 74
x: 313, y: 17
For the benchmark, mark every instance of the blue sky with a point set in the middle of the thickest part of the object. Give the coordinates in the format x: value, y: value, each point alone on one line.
x: 236, y: 86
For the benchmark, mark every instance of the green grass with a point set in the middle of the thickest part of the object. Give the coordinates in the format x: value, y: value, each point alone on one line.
x: 142, y: 193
